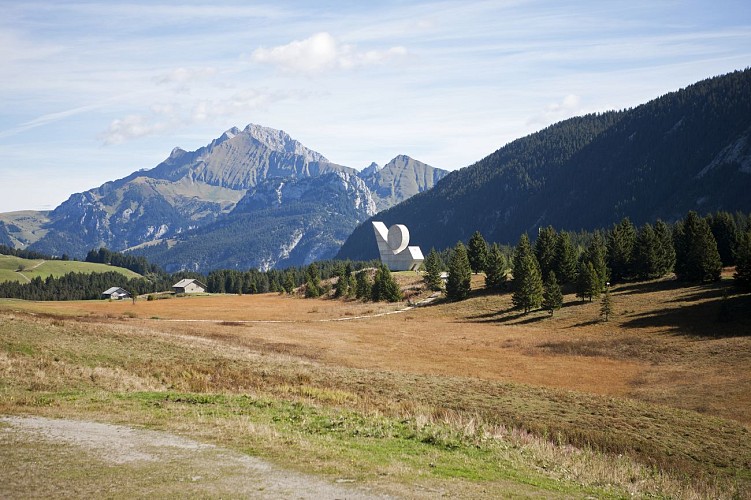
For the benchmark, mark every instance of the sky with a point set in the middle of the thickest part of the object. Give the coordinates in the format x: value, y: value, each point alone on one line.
x: 91, y: 91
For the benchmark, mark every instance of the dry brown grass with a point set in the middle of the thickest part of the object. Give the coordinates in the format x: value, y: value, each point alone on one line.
x: 664, y: 345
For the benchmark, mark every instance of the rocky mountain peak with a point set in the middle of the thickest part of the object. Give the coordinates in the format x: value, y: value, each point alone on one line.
x: 278, y: 140
x: 370, y: 170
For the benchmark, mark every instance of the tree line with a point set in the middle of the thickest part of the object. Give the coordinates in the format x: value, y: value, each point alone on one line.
x: 695, y: 248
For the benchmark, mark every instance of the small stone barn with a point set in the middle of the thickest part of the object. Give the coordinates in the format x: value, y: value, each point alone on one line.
x: 189, y: 285
x: 115, y: 293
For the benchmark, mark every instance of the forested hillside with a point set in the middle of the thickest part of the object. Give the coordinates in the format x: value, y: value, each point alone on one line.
x: 687, y: 150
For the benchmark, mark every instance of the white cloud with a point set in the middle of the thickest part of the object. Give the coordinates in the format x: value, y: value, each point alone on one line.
x: 322, y: 52
x: 166, y: 117
x: 555, y: 112
x: 131, y: 127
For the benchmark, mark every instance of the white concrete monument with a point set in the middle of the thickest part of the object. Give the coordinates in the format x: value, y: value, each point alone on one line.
x: 392, y: 245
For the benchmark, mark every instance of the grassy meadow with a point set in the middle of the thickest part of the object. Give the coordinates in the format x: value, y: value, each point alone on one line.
x: 468, y: 399
x: 24, y: 270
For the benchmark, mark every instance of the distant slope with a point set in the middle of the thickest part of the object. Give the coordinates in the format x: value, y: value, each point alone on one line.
x: 400, y: 179
x: 687, y: 150
x: 10, y: 264
x: 179, y: 212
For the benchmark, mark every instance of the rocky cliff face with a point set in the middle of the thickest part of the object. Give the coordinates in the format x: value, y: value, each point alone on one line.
x: 194, y: 192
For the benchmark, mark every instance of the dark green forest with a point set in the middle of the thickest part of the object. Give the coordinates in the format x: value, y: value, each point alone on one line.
x: 687, y: 150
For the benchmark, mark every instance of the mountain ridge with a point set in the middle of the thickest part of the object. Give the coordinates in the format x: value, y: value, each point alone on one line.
x: 190, y: 190
x: 686, y: 150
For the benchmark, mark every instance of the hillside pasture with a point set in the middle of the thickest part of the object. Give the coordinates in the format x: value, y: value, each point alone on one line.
x: 24, y: 270
x: 469, y: 399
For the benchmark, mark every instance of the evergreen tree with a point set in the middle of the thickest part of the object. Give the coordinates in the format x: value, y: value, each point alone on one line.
x: 742, y: 274
x: 477, y: 252
x: 646, y: 254
x: 528, y: 288
x: 587, y: 281
x: 432, y: 265
x: 460, y: 274
x: 726, y: 235
x: 545, y: 250
x: 565, y: 258
x: 596, y: 254
x: 522, y: 250
x: 620, y: 249
x: 384, y: 287
x: 289, y: 282
x: 606, y: 306
x: 313, y: 281
x: 552, y: 298
x: 495, y: 272
x: 697, y: 258
x: 341, y: 285
x: 665, y: 248
x: 363, y: 285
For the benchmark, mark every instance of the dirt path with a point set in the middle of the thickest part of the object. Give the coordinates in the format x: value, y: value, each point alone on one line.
x: 30, y: 269
x: 47, y: 457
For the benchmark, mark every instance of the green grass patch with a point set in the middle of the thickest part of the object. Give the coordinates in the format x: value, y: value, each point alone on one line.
x: 15, y: 268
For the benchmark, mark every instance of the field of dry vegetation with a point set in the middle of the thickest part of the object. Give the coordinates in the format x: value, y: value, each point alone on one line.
x: 465, y: 399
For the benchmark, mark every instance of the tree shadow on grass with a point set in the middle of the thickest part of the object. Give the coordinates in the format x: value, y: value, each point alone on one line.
x: 712, y: 318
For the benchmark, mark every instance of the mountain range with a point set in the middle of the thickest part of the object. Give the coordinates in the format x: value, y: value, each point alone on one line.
x: 687, y: 150
x: 252, y: 198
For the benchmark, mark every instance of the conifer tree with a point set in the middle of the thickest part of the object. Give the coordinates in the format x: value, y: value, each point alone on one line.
x: 528, y: 288
x: 621, y: 241
x: 460, y: 274
x: 289, y: 282
x: 646, y: 253
x: 495, y: 272
x: 587, y: 281
x: 552, y: 298
x: 596, y: 254
x: 522, y: 250
x: 340, y: 287
x: 696, y: 255
x: 726, y: 235
x: 477, y: 252
x: 665, y: 248
x: 384, y: 287
x: 313, y: 281
x: 432, y: 265
x: 565, y: 258
x: 545, y: 250
x: 742, y: 274
x: 363, y: 285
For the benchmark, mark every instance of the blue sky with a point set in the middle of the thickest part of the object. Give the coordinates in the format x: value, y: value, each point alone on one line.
x: 94, y: 90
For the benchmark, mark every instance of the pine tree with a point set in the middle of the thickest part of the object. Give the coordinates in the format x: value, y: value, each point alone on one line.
x: 742, y: 274
x: 528, y: 288
x: 384, y: 287
x: 341, y: 286
x: 565, y: 258
x: 646, y: 253
x: 621, y: 241
x: 606, y: 306
x: 552, y: 298
x: 477, y: 252
x: 697, y: 258
x: 363, y: 285
x: 522, y: 250
x: 596, y: 254
x: 545, y: 250
x: 587, y: 281
x: 313, y: 281
x: 289, y: 282
x: 432, y: 265
x: 460, y: 274
x: 665, y: 248
x: 495, y: 272
x: 726, y: 235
